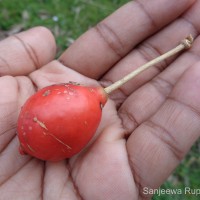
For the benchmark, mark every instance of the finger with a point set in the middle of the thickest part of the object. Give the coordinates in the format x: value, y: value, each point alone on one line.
x: 56, y: 185
x: 101, y: 47
x: 153, y: 47
x: 22, y: 53
x: 15, y: 188
x: 168, y: 135
x: 13, y: 94
x: 8, y: 116
x: 55, y: 72
x: 146, y: 100
x: 14, y: 91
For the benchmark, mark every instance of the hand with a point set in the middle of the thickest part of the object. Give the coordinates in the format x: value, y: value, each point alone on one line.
x: 140, y: 142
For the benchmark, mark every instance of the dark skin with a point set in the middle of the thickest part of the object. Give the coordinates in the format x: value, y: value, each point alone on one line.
x: 147, y: 126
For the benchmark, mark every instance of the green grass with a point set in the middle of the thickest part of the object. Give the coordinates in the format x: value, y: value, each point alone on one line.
x: 68, y: 19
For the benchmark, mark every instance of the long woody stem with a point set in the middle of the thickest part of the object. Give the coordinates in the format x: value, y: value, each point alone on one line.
x: 185, y: 44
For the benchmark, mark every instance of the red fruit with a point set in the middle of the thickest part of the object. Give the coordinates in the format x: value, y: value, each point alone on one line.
x: 59, y: 120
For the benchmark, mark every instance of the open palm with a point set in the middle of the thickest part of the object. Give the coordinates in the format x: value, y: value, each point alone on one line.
x: 147, y: 127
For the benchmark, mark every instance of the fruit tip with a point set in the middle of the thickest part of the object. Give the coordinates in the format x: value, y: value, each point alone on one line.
x: 188, y: 41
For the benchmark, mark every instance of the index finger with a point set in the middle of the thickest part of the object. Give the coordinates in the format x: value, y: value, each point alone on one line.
x: 24, y: 52
x: 102, y: 46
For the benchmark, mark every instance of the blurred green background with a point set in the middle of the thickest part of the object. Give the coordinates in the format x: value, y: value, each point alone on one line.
x: 68, y: 19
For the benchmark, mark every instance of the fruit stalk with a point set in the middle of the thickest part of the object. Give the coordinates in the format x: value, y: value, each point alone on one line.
x: 185, y: 44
